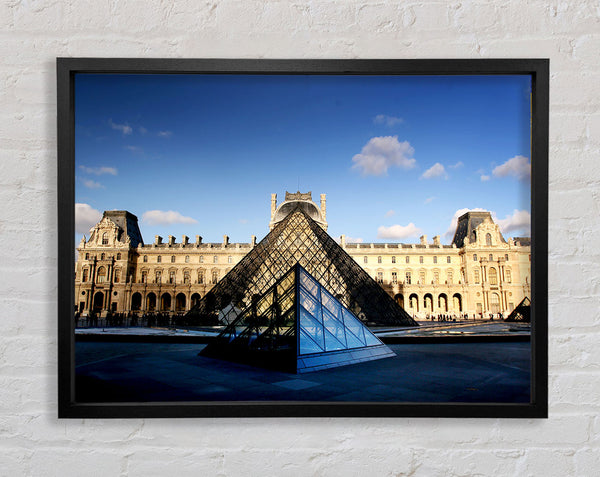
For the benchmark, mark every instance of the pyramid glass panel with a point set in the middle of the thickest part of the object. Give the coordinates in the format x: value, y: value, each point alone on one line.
x: 312, y: 327
x: 335, y: 327
x: 354, y: 326
x: 298, y: 239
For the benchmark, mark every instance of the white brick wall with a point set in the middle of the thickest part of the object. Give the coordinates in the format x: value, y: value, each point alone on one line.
x: 34, y: 442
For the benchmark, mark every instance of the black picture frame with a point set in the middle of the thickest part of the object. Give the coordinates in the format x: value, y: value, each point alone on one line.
x: 67, y: 68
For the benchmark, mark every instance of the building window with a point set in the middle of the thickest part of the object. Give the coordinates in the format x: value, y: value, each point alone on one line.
x: 144, y: 276
x: 117, y: 275
x: 365, y: 259
x: 421, y: 259
x: 186, y: 277
x: 171, y: 277
x: 491, y: 257
x: 506, y: 257
x: 393, y: 259
x: 158, y: 259
x: 158, y: 277
x: 215, y: 277
x: 408, y: 278
x: 119, y: 256
x: 101, y: 275
x: 105, y: 238
x: 436, y: 276
x: 449, y: 274
x: 87, y: 256
x: 508, y: 275
x: 407, y: 259
x: 201, y: 258
x: 102, y: 256
x: 378, y: 259
x: 379, y: 277
x: 474, y: 257
x: 476, y: 275
x: 394, y: 277
x: 145, y: 258
x: 84, y: 277
x: 434, y: 259
x: 172, y: 258
x: 422, y: 277
x: 488, y: 240
x: 187, y: 259
x: 200, y: 277
x: 493, y: 276
x: 215, y: 259
x: 229, y: 259
x: 448, y: 259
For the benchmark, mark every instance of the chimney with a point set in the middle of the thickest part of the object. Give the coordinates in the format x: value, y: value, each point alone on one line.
x: 253, y: 238
x: 185, y: 240
x: 423, y: 239
x: 198, y: 240
x: 225, y: 240
x: 436, y: 240
x: 343, y: 240
x: 171, y: 240
x: 273, y: 205
x: 157, y: 239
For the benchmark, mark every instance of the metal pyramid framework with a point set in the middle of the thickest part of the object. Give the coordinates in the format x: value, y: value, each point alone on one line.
x: 522, y: 312
x: 299, y: 239
x: 297, y: 326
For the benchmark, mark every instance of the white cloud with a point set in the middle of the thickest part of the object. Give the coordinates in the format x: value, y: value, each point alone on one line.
x: 165, y: 134
x: 520, y: 221
x: 389, y: 121
x: 90, y: 184
x: 381, y: 153
x: 161, y: 217
x: 398, y: 231
x: 389, y: 213
x: 354, y: 240
x: 484, y: 178
x: 99, y: 170
x: 429, y: 200
x: 457, y: 165
x: 437, y: 170
x: 126, y: 129
x: 518, y: 166
x: 452, y: 228
x: 85, y: 218
x: 134, y: 149
x: 142, y: 130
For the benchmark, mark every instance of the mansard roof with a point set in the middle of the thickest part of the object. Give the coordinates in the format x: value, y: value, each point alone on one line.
x: 128, y: 223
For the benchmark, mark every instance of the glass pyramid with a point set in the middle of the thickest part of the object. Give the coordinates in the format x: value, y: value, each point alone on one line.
x: 298, y: 239
x: 522, y: 312
x: 297, y: 326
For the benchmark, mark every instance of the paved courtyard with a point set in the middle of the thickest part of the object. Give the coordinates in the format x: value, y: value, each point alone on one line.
x: 437, y: 372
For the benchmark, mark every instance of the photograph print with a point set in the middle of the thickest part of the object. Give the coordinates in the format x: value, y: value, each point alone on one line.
x: 267, y: 239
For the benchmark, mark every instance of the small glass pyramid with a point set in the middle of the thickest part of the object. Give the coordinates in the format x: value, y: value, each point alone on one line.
x: 297, y: 326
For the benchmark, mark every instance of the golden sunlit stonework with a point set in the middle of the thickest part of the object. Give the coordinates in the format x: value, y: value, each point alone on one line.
x: 479, y: 273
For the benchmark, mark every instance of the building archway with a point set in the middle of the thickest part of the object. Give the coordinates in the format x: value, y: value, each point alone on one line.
x: 428, y: 302
x: 494, y: 303
x: 400, y: 300
x: 136, y: 301
x: 457, y: 302
x: 151, y: 302
x: 165, y: 302
x: 98, y: 302
x: 195, y: 299
x: 443, y: 302
x: 414, y: 303
x: 180, y: 302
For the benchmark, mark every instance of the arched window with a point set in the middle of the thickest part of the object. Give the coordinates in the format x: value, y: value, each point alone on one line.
x: 85, y: 274
x: 493, y: 276
x: 105, y: 238
x: 158, y: 259
x: 144, y: 276
x: 117, y: 276
x: 394, y: 277
x: 186, y: 277
x: 200, y: 277
x: 379, y: 277
x: 171, y: 277
x: 488, y: 240
x: 101, y: 276
x: 87, y: 256
x: 408, y: 277
x: 215, y: 277
x: 158, y: 276
x: 172, y: 258
x: 102, y: 256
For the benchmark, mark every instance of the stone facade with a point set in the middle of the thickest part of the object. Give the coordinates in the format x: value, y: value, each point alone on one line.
x: 480, y: 272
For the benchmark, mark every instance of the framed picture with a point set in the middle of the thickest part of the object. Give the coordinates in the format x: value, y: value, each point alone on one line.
x: 302, y: 237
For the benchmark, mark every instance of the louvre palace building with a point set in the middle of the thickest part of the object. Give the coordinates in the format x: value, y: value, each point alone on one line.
x: 478, y: 274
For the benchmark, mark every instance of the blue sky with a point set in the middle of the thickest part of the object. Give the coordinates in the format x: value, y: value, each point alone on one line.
x: 398, y: 157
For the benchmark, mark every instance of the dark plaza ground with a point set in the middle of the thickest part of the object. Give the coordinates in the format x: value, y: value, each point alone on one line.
x: 495, y: 368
